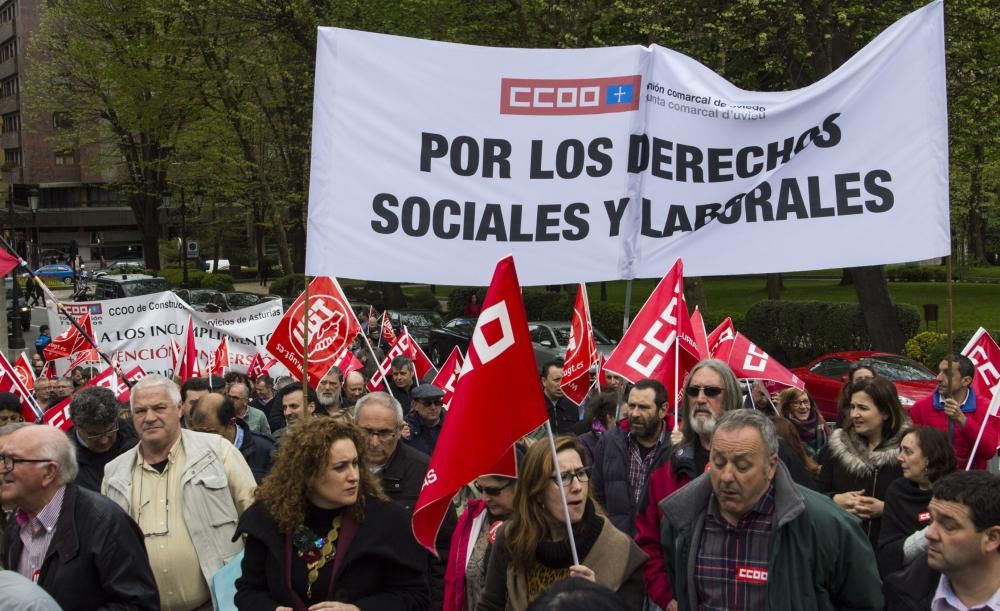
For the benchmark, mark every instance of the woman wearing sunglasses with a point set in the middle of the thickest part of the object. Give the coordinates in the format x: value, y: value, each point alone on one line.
x: 861, y: 459
x: 532, y: 549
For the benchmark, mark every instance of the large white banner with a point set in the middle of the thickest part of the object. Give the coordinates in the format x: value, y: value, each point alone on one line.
x: 139, y: 330
x: 431, y: 161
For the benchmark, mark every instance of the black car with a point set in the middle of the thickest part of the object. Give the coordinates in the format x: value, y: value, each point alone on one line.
x: 418, y: 322
x: 197, y: 298
x: 455, y: 332
x: 227, y: 302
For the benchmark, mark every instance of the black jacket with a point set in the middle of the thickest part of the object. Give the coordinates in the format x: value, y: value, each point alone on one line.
x: 423, y: 437
x: 258, y: 450
x: 383, y: 569
x: 275, y: 414
x: 402, y: 479
x: 564, y: 416
x: 92, y: 464
x: 912, y: 587
x: 97, y: 558
x: 905, y: 513
x: 610, y: 481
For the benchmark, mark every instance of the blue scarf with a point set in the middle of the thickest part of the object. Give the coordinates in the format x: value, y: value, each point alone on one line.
x: 968, y: 407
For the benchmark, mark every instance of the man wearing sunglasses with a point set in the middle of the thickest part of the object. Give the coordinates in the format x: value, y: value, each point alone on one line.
x: 623, y: 459
x: 426, y: 417
x: 98, y: 433
x: 75, y: 544
x: 472, y: 542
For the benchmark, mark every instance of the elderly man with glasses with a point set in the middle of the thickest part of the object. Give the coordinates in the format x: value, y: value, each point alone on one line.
x: 402, y: 470
x: 76, y: 544
x: 98, y: 433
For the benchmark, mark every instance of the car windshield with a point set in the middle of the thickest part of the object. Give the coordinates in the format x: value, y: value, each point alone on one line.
x: 562, y: 335
x: 134, y: 288
x: 242, y: 300
x: 462, y: 325
x: 198, y: 297
x: 420, y: 319
x: 900, y: 368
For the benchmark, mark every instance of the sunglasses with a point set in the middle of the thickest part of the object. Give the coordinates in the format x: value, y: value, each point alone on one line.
x: 492, y: 490
x: 710, y: 391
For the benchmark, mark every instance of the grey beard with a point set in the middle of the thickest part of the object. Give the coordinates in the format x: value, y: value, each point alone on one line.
x: 327, y: 401
x: 703, y: 427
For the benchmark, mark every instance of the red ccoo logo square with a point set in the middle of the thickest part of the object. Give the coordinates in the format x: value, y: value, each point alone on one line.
x: 589, y: 96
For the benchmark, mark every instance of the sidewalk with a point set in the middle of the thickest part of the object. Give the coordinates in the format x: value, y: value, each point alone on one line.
x: 251, y: 286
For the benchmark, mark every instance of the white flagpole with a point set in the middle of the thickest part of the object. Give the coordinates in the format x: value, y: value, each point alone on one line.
x: 562, y: 491
x: 990, y: 413
x: 677, y: 398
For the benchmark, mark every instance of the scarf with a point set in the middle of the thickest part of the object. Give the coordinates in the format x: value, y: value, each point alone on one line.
x: 807, y: 429
x: 557, y: 555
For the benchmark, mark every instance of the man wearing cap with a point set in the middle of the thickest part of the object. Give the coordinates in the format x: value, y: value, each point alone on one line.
x: 426, y: 417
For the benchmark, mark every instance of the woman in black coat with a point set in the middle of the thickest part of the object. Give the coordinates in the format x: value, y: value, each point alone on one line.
x: 323, y: 531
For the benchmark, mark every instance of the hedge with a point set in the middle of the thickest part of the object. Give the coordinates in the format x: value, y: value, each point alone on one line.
x: 219, y: 282
x: 288, y: 286
x: 938, y: 352
x: 424, y: 300
x: 919, y: 346
x: 175, y: 276
x: 459, y: 298
x: 795, y: 332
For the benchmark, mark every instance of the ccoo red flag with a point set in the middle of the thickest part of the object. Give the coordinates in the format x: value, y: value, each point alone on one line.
x: 70, y: 341
x: 84, y: 356
x: 700, y: 336
x: 189, y: 366
x: 332, y: 326
x: 405, y: 345
x: 218, y: 363
x: 446, y: 378
x: 388, y: 333
x: 581, y: 351
x: 748, y: 361
x: 984, y: 353
x: 725, y: 332
x: 483, y: 424
x: 347, y: 362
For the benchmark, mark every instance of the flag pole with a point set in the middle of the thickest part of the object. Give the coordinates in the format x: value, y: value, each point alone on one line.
x: 990, y: 413
x: 951, y: 350
x: 305, y: 341
x: 676, y: 389
x: 562, y: 491
x: 628, y: 305
x: 378, y: 361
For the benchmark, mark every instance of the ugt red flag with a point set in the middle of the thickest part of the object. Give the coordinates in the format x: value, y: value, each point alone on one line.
x: 219, y: 361
x: 70, y: 341
x: 723, y: 333
x: 984, y: 353
x: 347, y: 362
x: 649, y: 347
x: 332, y: 326
x: 748, y: 361
x: 483, y: 424
x: 581, y: 351
x: 446, y: 378
x: 9, y: 382
x: 700, y: 337
x: 25, y: 373
x: 388, y: 333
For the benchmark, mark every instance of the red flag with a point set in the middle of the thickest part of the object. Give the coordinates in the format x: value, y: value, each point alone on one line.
x: 723, y: 333
x: 84, y: 356
x: 70, y: 341
x: 388, y: 333
x: 648, y: 348
x: 112, y: 381
x: 8, y: 262
x: 405, y: 345
x: 483, y: 424
x: 219, y: 361
x: 984, y: 353
x: 347, y: 362
x: 49, y: 371
x: 58, y: 415
x: 700, y: 336
x: 256, y: 367
x: 748, y: 361
x: 332, y: 327
x: 189, y: 366
x: 24, y: 371
x: 175, y: 355
x: 581, y: 351
x: 9, y: 382
x: 446, y: 378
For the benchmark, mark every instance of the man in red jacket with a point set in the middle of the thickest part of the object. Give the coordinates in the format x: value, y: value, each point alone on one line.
x: 960, y: 408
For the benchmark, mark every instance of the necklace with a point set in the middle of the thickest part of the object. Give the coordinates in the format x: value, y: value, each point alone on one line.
x: 315, y: 550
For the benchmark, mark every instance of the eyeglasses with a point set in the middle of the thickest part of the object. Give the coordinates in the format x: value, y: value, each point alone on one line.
x: 492, y: 490
x: 97, y: 436
x: 429, y: 401
x: 802, y: 402
x: 710, y: 391
x: 383, y: 434
x: 9, y: 462
x: 582, y: 474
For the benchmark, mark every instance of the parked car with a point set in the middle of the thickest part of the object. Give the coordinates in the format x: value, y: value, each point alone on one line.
x: 227, y: 302
x: 549, y: 339
x: 59, y: 272
x: 825, y: 376
x: 127, y: 266
x: 209, y: 265
x: 126, y: 285
x: 418, y: 322
x: 19, y: 310
x: 197, y: 298
x: 442, y: 340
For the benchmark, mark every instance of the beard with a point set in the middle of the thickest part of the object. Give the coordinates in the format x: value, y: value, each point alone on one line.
x: 326, y: 400
x: 703, y: 427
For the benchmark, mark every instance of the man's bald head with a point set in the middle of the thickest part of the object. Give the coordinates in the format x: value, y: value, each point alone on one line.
x: 354, y: 386
x: 214, y: 413
x: 46, y: 462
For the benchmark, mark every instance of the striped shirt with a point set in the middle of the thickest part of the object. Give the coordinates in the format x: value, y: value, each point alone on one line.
x: 36, y: 534
x: 731, y: 567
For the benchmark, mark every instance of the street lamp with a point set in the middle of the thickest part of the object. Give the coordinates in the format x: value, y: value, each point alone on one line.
x: 16, y: 336
x: 34, y: 195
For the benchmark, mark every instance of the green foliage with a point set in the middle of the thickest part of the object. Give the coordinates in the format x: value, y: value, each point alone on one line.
x: 175, y: 276
x: 423, y: 300
x: 914, y: 273
x: 938, y: 352
x: 459, y: 298
x: 797, y: 332
x: 543, y: 305
x: 288, y: 286
x: 219, y: 282
x: 918, y: 346
x: 608, y: 317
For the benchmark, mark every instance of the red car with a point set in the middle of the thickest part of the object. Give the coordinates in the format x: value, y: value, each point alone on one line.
x: 826, y: 375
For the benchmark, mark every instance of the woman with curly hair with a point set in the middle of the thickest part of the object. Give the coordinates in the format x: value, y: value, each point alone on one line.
x: 323, y: 535
x: 532, y: 548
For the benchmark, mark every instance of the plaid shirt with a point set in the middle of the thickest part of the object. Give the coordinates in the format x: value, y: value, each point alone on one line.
x: 731, y: 568
x: 36, y: 533
x: 638, y: 466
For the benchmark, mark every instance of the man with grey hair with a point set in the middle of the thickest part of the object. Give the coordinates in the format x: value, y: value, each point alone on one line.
x: 239, y: 393
x: 744, y: 535
x: 328, y: 390
x: 98, y: 433
x: 77, y: 545
x: 185, y: 489
x: 402, y: 470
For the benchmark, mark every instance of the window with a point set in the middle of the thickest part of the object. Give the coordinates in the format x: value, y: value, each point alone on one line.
x: 7, y: 12
x: 11, y: 123
x: 12, y: 157
x: 62, y: 120
x: 66, y: 157
x: 9, y: 86
x: 8, y: 49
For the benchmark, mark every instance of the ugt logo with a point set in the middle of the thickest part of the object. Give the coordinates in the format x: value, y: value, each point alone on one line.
x: 328, y: 325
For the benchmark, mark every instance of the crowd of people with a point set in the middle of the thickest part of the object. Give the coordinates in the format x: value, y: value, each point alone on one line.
x: 269, y: 494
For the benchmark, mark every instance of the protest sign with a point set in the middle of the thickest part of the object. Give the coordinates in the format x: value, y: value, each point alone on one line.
x: 142, y: 330
x: 600, y: 164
